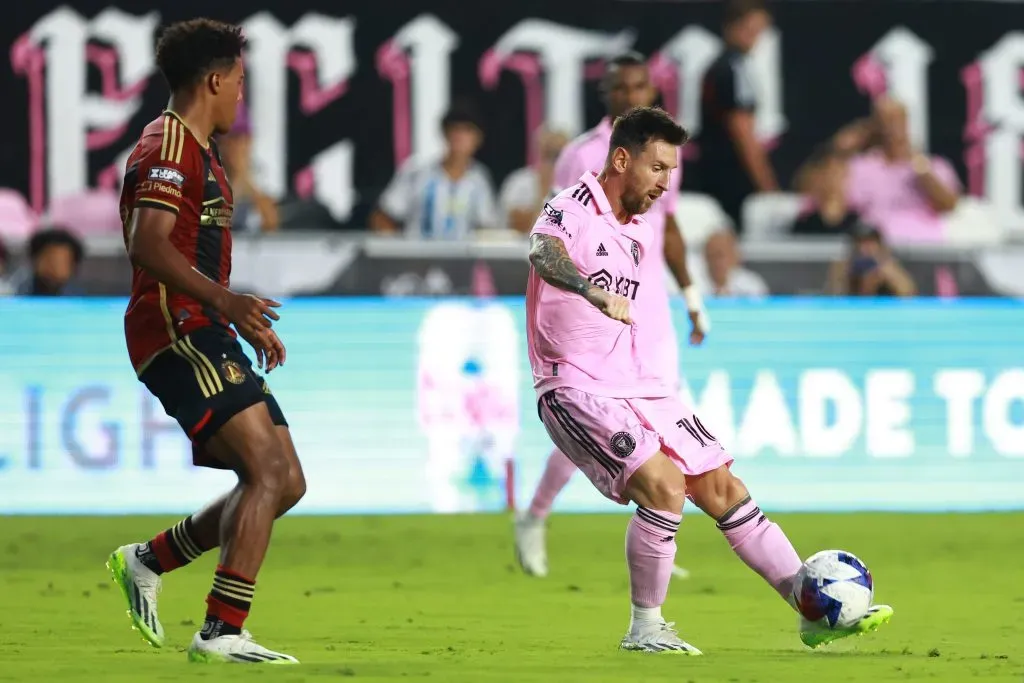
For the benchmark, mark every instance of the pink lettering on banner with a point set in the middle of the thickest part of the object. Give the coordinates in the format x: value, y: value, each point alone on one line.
x: 393, y: 64
x: 976, y: 129
x: 106, y: 60
x: 666, y: 77
x: 529, y: 70
x: 313, y: 98
x: 28, y: 60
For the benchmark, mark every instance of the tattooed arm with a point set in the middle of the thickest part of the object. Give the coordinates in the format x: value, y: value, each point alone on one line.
x: 553, y: 264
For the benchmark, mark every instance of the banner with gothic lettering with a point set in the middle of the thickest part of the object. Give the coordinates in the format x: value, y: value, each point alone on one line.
x: 338, y: 98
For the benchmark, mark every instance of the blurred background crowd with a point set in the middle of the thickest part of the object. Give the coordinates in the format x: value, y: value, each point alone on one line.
x: 862, y: 208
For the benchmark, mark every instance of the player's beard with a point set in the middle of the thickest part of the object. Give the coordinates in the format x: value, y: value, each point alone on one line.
x: 636, y: 203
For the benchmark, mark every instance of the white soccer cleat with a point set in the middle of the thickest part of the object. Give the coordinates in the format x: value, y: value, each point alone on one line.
x: 531, y: 545
x: 234, y: 649
x: 680, y: 572
x: 656, y: 636
x: 140, y: 586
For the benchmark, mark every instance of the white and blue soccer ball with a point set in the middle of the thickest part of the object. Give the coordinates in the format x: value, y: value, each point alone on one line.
x: 835, y: 588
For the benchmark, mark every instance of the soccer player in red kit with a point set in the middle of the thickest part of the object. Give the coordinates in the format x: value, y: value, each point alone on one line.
x: 176, y: 207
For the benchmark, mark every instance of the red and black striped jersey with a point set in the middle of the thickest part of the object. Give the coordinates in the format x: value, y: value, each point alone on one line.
x: 171, y: 170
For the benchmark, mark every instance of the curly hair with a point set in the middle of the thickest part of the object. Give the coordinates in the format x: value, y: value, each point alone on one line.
x: 187, y: 51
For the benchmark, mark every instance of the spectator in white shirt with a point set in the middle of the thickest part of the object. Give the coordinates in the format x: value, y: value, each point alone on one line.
x: 723, y: 273
x: 445, y: 199
x: 524, y: 191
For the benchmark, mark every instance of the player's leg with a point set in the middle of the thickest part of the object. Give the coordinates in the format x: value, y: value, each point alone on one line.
x: 757, y: 540
x: 252, y: 446
x: 604, y: 438
x: 658, y: 488
x: 531, y: 544
x: 764, y: 547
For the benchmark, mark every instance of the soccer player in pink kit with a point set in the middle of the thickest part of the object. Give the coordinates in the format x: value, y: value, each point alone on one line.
x: 626, y: 84
x: 613, y: 413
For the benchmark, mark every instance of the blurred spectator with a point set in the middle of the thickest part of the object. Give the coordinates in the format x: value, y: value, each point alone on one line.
x: 54, y: 256
x: 524, y: 191
x: 828, y: 212
x: 253, y: 210
x: 902, y: 191
x: 17, y: 219
x: 870, y: 269
x: 734, y: 163
x: 723, y: 274
x: 442, y: 199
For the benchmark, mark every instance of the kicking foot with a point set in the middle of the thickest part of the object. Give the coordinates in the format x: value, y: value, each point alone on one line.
x: 815, y: 634
x: 531, y: 545
x: 234, y: 649
x: 656, y: 636
x: 140, y: 586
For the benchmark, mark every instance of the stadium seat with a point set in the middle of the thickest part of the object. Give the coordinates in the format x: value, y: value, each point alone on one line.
x: 974, y: 223
x: 698, y: 216
x: 17, y: 219
x: 767, y: 217
x: 95, y: 212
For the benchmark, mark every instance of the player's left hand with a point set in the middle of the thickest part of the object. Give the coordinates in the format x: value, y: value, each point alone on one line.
x: 270, y: 351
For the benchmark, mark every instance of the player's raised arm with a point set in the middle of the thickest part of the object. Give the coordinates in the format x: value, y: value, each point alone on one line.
x: 552, y: 263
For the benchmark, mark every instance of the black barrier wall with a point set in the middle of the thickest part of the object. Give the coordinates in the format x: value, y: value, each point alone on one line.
x: 340, y: 95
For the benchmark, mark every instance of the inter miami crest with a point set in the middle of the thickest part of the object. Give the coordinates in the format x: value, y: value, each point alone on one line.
x: 623, y: 444
x: 635, y: 250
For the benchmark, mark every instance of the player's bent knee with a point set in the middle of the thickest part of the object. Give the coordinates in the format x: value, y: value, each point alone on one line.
x: 295, y: 489
x: 658, y: 485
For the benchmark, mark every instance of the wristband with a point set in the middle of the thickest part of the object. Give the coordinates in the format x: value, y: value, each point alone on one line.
x: 695, y: 304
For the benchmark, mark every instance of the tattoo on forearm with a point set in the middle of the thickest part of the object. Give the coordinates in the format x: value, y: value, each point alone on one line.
x: 553, y: 265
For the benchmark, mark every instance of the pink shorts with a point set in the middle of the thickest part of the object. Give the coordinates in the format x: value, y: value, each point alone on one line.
x: 610, y: 438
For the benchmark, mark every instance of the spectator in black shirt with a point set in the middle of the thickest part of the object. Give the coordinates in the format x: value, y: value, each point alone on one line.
x: 734, y: 164
x: 828, y: 212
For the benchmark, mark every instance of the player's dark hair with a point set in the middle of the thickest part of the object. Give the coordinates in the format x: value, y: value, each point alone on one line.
x: 735, y: 10
x: 641, y: 125
x: 52, y: 237
x: 619, y: 61
x: 189, y: 50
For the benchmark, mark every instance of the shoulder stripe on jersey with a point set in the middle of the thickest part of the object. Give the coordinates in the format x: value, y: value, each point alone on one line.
x: 582, y: 194
x: 174, y: 140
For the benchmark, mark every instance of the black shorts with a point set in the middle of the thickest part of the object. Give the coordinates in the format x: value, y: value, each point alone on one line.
x: 203, y: 380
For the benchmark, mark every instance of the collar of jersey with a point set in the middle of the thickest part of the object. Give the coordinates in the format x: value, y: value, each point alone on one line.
x: 600, y: 198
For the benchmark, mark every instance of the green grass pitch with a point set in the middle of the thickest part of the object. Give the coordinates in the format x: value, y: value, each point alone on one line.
x: 439, y: 599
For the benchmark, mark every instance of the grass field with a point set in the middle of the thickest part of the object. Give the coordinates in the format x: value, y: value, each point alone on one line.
x: 439, y: 599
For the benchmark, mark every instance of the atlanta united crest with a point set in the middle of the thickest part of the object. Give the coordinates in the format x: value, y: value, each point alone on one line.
x: 232, y: 372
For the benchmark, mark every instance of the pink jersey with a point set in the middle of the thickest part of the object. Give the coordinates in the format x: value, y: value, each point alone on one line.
x: 588, y: 153
x: 571, y: 343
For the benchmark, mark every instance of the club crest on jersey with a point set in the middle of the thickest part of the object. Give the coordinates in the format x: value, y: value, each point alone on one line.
x: 623, y: 444
x: 232, y: 372
x: 635, y: 250
x: 167, y: 175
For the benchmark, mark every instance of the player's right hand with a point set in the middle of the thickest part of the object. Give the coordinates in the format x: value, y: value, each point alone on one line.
x: 614, y: 306
x: 270, y: 351
x: 250, y: 314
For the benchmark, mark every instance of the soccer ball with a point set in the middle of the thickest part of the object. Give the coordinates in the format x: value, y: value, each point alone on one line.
x: 833, y: 587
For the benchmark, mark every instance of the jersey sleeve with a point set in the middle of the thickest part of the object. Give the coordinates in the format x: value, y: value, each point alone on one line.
x: 396, y: 200
x: 557, y: 220
x: 161, y: 175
